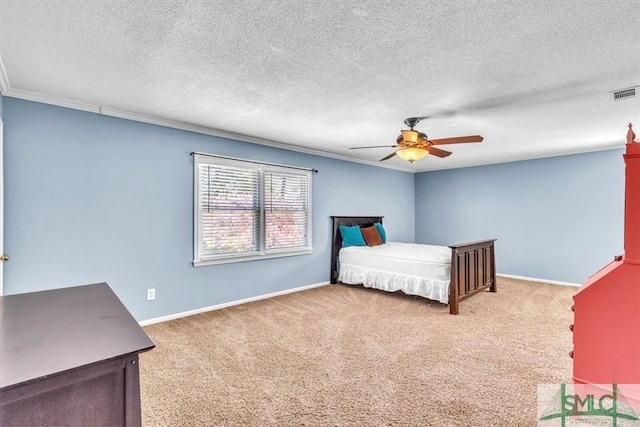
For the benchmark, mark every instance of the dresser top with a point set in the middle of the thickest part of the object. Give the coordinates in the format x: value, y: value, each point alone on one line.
x: 47, y: 332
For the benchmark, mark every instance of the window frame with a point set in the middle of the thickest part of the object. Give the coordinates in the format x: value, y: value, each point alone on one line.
x: 262, y: 252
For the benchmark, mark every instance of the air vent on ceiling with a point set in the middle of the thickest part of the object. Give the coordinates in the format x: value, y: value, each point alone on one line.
x: 624, y: 94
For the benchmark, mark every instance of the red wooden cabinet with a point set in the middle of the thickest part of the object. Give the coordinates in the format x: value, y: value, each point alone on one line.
x: 606, y: 328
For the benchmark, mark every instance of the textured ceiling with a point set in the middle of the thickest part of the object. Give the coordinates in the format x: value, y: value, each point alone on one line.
x: 533, y: 77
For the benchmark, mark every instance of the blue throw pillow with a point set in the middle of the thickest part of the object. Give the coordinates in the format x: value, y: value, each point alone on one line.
x: 351, y: 236
x: 381, y: 232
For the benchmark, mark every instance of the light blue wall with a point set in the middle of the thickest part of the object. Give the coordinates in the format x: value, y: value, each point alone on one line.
x: 557, y: 218
x: 90, y: 198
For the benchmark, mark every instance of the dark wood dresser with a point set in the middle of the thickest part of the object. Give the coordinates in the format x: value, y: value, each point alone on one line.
x: 69, y: 357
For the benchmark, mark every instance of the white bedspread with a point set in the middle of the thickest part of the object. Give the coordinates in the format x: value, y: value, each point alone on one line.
x: 414, y: 269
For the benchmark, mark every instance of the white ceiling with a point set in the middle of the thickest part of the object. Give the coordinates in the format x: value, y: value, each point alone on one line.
x: 533, y: 77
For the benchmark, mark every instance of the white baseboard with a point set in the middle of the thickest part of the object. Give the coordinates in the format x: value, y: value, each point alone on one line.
x: 534, y: 279
x: 228, y: 304
x: 304, y: 288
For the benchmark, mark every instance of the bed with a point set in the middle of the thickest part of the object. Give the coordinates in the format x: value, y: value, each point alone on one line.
x: 449, y: 274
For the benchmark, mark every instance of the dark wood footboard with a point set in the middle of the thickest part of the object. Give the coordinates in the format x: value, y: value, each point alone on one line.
x: 473, y: 269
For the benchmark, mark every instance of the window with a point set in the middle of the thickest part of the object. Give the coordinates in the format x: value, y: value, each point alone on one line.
x: 245, y: 210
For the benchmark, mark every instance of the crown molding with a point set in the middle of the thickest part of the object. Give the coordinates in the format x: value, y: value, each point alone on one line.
x: 112, y: 112
x: 6, y: 90
x: 4, y: 80
x: 613, y: 145
x: 52, y: 100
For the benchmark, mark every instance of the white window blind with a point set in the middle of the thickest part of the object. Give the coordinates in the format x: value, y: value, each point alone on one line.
x: 245, y: 210
x: 287, y: 209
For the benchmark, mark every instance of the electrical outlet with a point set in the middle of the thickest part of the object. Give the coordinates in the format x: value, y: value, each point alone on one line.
x: 151, y: 294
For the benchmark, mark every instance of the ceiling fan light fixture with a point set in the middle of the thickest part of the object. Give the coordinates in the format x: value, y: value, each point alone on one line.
x: 409, y: 136
x: 412, y: 145
x: 412, y: 154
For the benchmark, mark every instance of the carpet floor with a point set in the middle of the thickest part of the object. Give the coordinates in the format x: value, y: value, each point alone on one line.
x: 348, y: 356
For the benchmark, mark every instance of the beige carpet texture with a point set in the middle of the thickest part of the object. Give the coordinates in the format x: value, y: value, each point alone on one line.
x: 344, y: 355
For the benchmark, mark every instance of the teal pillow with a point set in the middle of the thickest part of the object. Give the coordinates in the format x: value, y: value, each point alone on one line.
x: 381, y: 232
x: 351, y: 236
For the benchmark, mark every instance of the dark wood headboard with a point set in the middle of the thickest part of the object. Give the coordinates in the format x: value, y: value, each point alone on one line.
x: 336, y: 240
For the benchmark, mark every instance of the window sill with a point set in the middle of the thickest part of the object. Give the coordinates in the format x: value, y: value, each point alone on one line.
x: 216, y: 261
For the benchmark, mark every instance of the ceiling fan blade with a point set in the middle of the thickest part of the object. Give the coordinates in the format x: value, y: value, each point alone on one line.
x: 457, y: 140
x: 539, y: 95
x: 388, y: 157
x: 374, y: 146
x: 438, y: 152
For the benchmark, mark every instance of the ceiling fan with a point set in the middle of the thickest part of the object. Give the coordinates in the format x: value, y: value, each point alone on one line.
x: 413, y: 145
